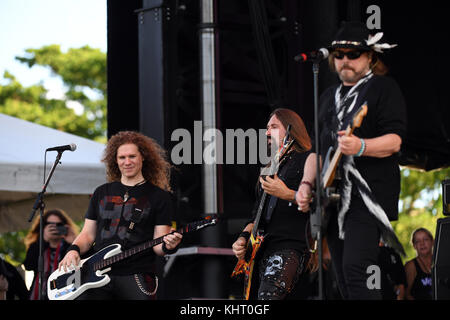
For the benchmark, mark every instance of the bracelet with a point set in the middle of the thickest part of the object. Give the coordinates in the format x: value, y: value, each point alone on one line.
x: 74, y: 247
x: 245, y: 234
x: 363, y: 148
x: 168, y: 251
x: 307, y: 183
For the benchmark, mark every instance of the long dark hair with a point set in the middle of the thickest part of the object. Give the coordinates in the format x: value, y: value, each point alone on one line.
x: 298, y: 130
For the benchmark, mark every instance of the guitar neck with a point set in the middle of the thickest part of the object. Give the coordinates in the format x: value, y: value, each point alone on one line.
x: 279, y: 159
x: 259, y: 213
x: 132, y: 251
x: 328, y: 176
x: 193, y: 226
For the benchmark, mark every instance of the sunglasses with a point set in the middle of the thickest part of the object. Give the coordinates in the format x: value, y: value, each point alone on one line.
x: 351, y: 55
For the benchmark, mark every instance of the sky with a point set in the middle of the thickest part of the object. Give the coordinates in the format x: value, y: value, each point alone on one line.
x: 34, y: 23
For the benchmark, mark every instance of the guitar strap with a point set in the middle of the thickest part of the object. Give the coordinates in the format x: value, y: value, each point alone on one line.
x: 359, y: 94
x: 136, y: 217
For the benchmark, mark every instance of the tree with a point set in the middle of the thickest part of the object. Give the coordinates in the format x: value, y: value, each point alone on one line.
x: 420, y: 204
x: 83, y: 72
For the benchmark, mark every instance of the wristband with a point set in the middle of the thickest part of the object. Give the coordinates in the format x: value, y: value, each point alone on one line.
x: 363, y: 148
x: 245, y: 234
x: 167, y: 251
x: 74, y: 247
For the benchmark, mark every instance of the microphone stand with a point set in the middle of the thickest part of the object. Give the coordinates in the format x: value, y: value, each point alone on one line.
x: 316, y: 217
x: 39, y: 204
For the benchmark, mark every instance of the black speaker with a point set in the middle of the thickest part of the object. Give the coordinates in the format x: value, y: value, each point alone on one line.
x: 441, y: 261
x: 446, y: 197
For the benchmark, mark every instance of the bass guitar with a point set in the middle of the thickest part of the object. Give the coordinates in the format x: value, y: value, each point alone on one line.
x: 245, y: 266
x: 92, y: 272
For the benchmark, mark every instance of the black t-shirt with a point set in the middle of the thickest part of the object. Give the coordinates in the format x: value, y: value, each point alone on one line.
x: 386, y: 114
x: 286, y: 227
x: 114, y: 216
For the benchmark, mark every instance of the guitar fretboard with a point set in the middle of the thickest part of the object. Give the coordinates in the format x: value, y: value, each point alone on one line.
x: 149, y: 244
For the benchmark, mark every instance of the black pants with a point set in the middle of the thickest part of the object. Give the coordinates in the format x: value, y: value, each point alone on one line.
x: 130, y: 287
x: 353, y: 256
x: 278, y: 274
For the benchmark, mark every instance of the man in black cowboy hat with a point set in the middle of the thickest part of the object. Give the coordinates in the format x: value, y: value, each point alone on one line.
x: 370, y: 178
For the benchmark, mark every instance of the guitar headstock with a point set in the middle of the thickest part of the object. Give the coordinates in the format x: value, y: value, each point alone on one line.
x: 206, y: 222
x: 359, y: 115
x: 287, y: 142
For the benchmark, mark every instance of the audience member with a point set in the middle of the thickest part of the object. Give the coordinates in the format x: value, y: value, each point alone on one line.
x: 418, y: 270
x: 59, y: 232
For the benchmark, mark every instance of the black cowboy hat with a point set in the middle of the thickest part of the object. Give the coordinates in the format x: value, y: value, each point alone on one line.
x: 351, y: 35
x: 355, y: 35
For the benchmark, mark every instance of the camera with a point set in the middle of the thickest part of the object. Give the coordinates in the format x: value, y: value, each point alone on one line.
x: 62, y: 230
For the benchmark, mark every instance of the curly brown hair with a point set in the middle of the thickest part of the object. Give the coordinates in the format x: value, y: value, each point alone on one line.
x: 155, y: 167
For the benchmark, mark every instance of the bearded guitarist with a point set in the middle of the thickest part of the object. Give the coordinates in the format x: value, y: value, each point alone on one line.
x: 272, y: 272
x: 370, y: 185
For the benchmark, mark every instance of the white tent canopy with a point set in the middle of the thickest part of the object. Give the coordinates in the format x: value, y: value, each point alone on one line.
x: 22, y: 150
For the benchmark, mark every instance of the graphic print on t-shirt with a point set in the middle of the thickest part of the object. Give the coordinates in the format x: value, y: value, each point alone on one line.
x: 117, y: 215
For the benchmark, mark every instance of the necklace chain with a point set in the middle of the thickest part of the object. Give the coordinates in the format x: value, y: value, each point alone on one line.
x: 126, y: 196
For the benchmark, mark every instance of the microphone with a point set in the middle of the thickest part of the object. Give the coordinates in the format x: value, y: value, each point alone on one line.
x: 314, y: 56
x: 71, y: 147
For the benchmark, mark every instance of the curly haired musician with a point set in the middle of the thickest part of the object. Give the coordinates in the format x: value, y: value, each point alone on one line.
x: 282, y: 257
x: 133, y: 207
x: 369, y: 169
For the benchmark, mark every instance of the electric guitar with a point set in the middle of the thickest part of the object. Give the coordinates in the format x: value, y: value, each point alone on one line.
x: 92, y: 271
x: 245, y: 266
x: 329, y: 178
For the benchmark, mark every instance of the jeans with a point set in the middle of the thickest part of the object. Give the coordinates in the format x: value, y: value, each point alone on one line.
x: 356, y: 253
x: 278, y: 274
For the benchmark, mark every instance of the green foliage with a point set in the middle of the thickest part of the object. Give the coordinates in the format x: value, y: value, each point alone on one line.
x: 420, y: 204
x: 12, y: 247
x: 83, y: 72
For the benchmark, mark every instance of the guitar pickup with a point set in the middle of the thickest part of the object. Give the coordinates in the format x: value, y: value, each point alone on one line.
x: 61, y: 281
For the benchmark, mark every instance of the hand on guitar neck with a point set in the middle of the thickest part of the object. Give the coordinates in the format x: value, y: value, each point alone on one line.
x: 240, y: 245
x: 349, y: 143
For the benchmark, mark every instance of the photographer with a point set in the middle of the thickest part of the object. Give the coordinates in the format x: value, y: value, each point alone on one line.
x: 59, y: 233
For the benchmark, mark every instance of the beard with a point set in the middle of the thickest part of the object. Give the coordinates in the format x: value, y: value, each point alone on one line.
x: 350, y: 75
x: 272, y: 146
